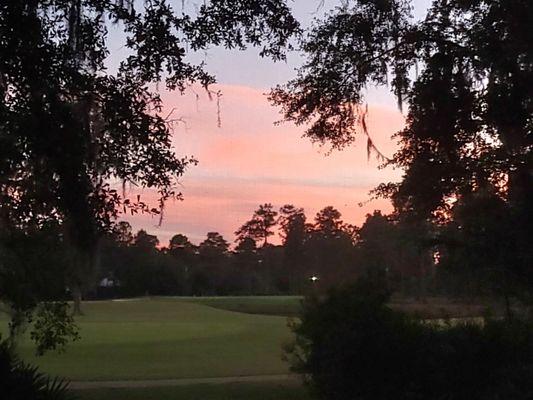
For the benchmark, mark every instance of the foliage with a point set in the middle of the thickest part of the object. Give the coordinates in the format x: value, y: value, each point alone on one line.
x: 469, y: 117
x: 53, y: 326
x: 465, y: 72
x: 20, y: 381
x: 350, y: 345
x: 259, y: 228
x: 329, y: 248
x: 482, y: 250
x: 70, y: 128
x: 35, y: 295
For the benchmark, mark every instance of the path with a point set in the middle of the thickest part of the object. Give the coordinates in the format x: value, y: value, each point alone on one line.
x: 81, y: 385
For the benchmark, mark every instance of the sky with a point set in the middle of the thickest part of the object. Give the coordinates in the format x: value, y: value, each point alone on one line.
x: 249, y: 160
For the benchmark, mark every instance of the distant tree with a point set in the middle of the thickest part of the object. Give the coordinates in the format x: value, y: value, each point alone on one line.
x: 260, y: 227
x: 292, y: 221
x: 143, y: 240
x: 294, y: 233
x: 210, y: 276
x: 399, y: 250
x: 329, y: 249
x: 328, y: 222
x: 377, y: 239
x: 179, y: 242
x: 246, y: 246
x: 122, y: 233
x: 214, y: 245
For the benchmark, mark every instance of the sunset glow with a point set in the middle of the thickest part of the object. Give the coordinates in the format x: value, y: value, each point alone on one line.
x: 249, y: 160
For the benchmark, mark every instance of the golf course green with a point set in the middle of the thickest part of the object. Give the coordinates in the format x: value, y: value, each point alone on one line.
x: 168, y: 338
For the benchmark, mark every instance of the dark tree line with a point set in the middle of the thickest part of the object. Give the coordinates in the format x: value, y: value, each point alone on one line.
x: 326, y: 248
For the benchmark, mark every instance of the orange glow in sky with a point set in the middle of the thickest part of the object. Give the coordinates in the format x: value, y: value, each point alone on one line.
x: 249, y: 160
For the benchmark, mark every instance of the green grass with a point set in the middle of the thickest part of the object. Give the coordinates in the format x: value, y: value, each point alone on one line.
x: 288, y: 306
x: 167, y: 338
x: 227, y: 391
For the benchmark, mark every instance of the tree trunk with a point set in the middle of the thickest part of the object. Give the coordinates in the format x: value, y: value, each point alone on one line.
x: 76, y: 297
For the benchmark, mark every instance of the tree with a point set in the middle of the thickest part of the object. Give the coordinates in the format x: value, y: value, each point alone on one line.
x: 329, y: 249
x: 37, y: 294
x: 213, y: 256
x: 480, y: 250
x: 350, y: 345
x: 69, y: 127
x: 179, y: 242
x: 328, y: 222
x: 122, y: 233
x: 214, y: 245
x: 398, y: 250
x: 259, y: 228
x: 292, y: 224
x: 143, y: 240
x: 465, y: 72
x: 294, y: 232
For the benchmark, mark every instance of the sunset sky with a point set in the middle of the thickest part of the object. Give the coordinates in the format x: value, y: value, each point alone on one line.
x: 249, y: 160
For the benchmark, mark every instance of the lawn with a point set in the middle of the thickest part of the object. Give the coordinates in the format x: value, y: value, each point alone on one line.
x: 288, y: 306
x: 168, y: 338
x: 190, y: 337
x: 229, y: 391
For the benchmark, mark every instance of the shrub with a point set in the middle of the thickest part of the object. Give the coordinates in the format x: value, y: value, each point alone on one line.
x: 350, y: 345
x: 20, y: 381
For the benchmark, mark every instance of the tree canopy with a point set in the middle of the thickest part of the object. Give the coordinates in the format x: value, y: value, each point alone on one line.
x: 71, y: 130
x: 464, y: 71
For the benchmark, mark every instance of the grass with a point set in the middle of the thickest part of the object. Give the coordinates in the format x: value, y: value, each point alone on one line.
x: 167, y: 338
x: 288, y: 306
x: 227, y: 391
x: 191, y: 337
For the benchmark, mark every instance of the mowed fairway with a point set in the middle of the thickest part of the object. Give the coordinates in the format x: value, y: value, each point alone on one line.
x: 164, y: 338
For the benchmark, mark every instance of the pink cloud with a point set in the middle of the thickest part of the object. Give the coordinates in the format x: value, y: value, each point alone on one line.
x: 249, y: 160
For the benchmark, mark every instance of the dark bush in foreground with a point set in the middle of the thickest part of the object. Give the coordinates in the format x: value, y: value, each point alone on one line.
x: 19, y: 381
x: 350, y: 345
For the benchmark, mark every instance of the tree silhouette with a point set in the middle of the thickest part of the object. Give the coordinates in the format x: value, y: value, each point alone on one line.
x: 179, y: 242
x: 465, y: 73
x: 122, y: 233
x: 294, y: 233
x: 468, y: 122
x: 259, y: 228
x: 328, y: 222
x: 145, y: 241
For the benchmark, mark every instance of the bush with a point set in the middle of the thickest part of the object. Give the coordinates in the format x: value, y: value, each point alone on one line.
x: 20, y: 381
x: 350, y: 345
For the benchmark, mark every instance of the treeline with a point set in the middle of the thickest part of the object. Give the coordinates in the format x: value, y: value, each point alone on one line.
x: 313, y: 254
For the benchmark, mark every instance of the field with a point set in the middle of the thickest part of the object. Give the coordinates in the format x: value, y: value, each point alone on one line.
x: 288, y: 306
x: 231, y: 391
x: 165, y: 338
x: 169, y: 338
x: 188, y: 338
